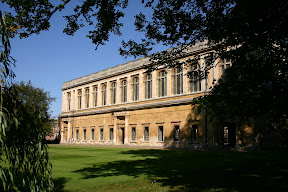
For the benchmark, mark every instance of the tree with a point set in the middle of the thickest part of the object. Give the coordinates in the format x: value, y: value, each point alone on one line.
x: 25, y: 160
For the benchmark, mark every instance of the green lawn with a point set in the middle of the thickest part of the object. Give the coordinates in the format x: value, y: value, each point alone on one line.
x: 85, y: 168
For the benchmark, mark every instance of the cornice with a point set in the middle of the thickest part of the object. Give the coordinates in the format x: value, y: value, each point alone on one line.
x: 169, y: 103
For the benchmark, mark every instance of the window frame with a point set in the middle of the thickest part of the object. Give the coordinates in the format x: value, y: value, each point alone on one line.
x: 146, y: 134
x: 135, y: 88
x: 95, y: 95
x: 79, y: 98
x: 178, y: 80
x: 162, y: 83
x: 194, y: 80
x: 162, y: 133
x: 87, y: 96
x: 104, y: 94
x: 176, y: 133
x: 113, y: 92
x: 123, y: 91
x: 133, y: 134
x: 101, y: 134
x: 148, y: 86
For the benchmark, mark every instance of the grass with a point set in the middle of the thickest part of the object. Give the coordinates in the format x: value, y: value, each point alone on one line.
x: 85, y: 168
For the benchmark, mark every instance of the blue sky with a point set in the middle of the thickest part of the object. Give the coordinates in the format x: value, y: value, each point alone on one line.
x: 52, y: 57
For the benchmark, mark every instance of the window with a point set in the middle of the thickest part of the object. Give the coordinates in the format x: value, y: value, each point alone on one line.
x: 87, y: 98
x: 194, y: 133
x: 79, y: 98
x: 148, y: 86
x: 69, y: 101
x: 93, y: 134
x: 160, y: 133
x: 124, y: 91
x: 84, y: 134
x: 146, y: 133
x: 101, y: 134
x: 111, y: 134
x: 104, y: 94
x: 133, y: 133
x: 77, y: 134
x: 113, y: 93
x: 195, y: 83
x: 95, y: 90
x: 135, y: 87
x: 178, y: 81
x: 162, y: 83
x: 176, y: 132
x: 226, y: 64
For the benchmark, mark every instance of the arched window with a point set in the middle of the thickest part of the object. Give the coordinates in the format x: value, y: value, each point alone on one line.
x: 113, y: 93
x: 79, y: 98
x: 148, y: 86
x: 69, y: 101
x: 87, y: 98
x: 95, y: 91
x: 135, y: 87
x: 104, y: 86
x: 195, y: 83
x: 226, y: 64
x: 178, y: 80
x: 162, y: 83
x: 124, y: 91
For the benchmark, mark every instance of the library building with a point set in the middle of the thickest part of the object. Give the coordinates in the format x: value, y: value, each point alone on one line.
x: 126, y: 105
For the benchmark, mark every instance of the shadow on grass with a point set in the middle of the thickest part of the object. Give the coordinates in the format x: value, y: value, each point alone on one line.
x: 59, y: 184
x: 201, y: 170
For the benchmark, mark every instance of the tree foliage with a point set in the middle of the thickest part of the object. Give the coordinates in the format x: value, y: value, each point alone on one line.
x: 25, y: 161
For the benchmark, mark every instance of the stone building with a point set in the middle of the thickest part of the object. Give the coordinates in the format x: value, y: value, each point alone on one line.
x: 125, y: 105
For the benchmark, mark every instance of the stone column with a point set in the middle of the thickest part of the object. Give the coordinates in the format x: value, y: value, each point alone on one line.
x: 169, y: 82
x: 108, y: 93
x: 185, y: 80
x: 91, y: 96
x: 118, y: 91
x: 69, y: 132
x: 62, y: 132
x: 115, y: 130
x: 129, y: 89
x: 126, y: 140
x: 141, y: 86
x: 154, y: 84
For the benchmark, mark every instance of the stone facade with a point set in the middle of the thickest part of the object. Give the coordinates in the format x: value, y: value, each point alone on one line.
x: 125, y: 105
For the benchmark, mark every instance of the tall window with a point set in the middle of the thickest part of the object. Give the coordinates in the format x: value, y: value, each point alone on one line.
x: 104, y: 94
x: 135, y: 87
x: 148, y: 86
x: 87, y: 98
x: 84, y: 134
x: 133, y: 133
x: 124, y: 91
x: 79, y: 98
x: 176, y: 132
x: 226, y: 63
x: 101, y: 134
x: 194, y: 133
x: 178, y: 81
x: 162, y: 83
x: 95, y: 91
x: 69, y: 101
x: 113, y: 93
x: 77, y: 135
x: 93, y: 134
x: 195, y: 83
x: 160, y: 133
x: 111, y: 134
x: 146, y: 133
